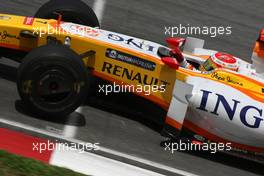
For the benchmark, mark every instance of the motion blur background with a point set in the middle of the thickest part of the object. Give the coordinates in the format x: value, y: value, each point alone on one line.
x: 128, y: 132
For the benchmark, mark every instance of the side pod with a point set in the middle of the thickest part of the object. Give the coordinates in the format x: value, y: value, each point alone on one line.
x: 178, y: 107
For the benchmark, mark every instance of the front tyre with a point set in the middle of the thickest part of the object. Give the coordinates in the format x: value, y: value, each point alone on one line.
x: 52, y: 81
x: 75, y: 11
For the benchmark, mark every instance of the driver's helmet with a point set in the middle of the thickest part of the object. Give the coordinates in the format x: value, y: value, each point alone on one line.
x: 220, y: 60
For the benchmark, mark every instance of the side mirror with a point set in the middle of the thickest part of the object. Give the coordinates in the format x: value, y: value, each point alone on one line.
x: 175, y: 42
x: 261, y: 35
x: 171, y: 62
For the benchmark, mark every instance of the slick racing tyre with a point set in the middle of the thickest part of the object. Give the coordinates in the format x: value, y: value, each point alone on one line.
x: 74, y: 11
x: 52, y: 81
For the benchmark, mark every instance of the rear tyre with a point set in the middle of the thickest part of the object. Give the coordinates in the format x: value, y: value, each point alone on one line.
x: 52, y: 81
x: 74, y: 11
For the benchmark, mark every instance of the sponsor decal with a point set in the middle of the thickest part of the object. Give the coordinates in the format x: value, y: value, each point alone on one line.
x: 130, y: 59
x: 43, y: 22
x: 132, y: 75
x: 249, y: 115
x: 2, y: 17
x: 4, y: 35
x: 131, y: 42
x: 225, y: 78
x: 29, y: 21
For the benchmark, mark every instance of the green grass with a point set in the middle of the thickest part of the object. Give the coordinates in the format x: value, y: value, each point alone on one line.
x: 13, y: 165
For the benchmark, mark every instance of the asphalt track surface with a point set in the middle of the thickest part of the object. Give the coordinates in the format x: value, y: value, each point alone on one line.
x: 129, y: 132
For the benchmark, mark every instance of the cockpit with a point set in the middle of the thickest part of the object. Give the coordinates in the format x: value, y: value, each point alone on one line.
x: 213, y: 61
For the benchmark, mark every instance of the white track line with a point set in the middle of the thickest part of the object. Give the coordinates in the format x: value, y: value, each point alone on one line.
x: 92, y: 164
x: 69, y: 131
x: 98, y: 8
x: 106, y: 150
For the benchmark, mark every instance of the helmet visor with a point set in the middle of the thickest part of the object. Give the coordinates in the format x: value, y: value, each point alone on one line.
x: 208, y: 65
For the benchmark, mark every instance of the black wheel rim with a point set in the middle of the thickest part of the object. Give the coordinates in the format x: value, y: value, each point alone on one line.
x: 53, y: 87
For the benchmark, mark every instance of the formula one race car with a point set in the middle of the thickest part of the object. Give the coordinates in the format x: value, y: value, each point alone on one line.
x: 216, y: 96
